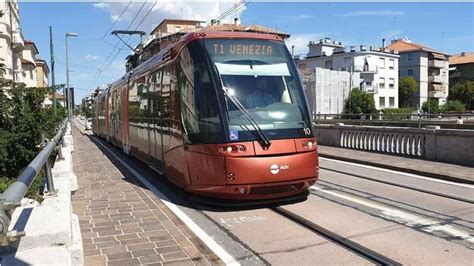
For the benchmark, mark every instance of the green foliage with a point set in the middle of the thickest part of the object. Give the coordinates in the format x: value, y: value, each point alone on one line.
x: 24, y: 119
x: 359, y: 102
x: 453, y: 106
x: 407, y: 87
x: 432, y: 107
x: 397, y: 113
x: 463, y: 92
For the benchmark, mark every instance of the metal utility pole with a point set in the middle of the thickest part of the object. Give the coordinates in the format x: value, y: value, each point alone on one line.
x: 53, y: 85
x: 69, y: 108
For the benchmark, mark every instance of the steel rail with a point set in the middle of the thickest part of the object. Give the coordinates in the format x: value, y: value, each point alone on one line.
x: 344, y: 242
x: 11, y: 198
x: 400, y: 185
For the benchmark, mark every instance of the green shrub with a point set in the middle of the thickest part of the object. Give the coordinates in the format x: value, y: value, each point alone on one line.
x: 397, y: 113
x: 453, y: 106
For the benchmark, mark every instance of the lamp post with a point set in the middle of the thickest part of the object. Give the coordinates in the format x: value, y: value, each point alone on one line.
x: 69, y: 109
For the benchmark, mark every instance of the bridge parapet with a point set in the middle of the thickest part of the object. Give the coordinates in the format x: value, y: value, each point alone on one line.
x: 443, y: 145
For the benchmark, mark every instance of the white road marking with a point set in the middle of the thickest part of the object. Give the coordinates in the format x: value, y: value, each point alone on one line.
x: 241, y: 219
x: 216, y: 248
x: 409, y: 219
x: 400, y: 173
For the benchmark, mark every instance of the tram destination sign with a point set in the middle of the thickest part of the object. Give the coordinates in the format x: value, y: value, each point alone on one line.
x: 236, y: 48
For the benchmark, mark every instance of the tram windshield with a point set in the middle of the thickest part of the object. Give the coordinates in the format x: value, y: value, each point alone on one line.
x: 261, y: 75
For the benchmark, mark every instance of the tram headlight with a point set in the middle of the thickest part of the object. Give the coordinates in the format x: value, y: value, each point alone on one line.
x: 235, y: 148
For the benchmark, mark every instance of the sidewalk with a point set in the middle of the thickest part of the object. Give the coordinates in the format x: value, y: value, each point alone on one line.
x: 123, y: 223
x: 450, y: 172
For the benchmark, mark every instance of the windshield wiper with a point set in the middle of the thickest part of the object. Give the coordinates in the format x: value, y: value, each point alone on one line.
x: 264, y: 140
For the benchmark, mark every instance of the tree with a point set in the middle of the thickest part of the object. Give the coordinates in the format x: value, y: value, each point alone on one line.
x: 407, y: 87
x: 431, y: 106
x: 463, y: 92
x: 359, y: 102
x: 24, y: 119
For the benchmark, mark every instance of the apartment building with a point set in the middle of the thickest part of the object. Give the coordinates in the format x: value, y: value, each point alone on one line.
x: 42, y: 72
x: 28, y: 64
x: 461, y: 68
x: 11, y: 43
x: 429, y: 67
x: 376, y: 68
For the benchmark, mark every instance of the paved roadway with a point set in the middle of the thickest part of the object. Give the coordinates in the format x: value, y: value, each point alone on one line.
x: 407, y: 226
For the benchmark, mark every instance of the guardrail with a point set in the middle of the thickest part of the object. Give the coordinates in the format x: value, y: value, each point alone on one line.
x: 442, y: 145
x: 11, y: 198
x: 386, y: 141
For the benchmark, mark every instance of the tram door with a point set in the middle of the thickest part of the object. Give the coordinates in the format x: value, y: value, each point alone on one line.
x: 155, y: 124
x: 116, y: 113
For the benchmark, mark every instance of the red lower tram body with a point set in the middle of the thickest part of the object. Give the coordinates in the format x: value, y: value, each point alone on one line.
x: 185, y: 112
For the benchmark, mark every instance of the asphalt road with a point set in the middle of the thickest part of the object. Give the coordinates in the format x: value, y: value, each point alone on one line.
x: 407, y: 226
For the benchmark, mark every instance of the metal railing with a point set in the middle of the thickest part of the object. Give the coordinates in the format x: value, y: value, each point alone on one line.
x: 11, y: 198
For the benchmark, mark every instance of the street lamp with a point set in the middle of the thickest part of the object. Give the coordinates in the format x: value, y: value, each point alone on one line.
x: 69, y: 34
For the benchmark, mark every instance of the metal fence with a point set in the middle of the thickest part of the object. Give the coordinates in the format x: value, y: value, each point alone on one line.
x: 11, y: 198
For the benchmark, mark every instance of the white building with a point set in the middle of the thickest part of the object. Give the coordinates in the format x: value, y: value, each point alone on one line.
x: 11, y: 44
x: 429, y: 67
x: 378, y: 69
x: 327, y: 89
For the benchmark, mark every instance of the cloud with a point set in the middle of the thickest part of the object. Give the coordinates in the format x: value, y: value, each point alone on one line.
x: 301, y: 41
x: 197, y: 10
x: 302, y: 16
x: 358, y: 13
x: 91, y: 57
x: 101, y: 5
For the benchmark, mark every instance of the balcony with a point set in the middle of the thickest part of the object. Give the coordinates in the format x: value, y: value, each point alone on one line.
x: 18, y: 43
x: 437, y: 90
x: 437, y: 78
x: 367, y: 69
x: 437, y: 63
x: 373, y: 89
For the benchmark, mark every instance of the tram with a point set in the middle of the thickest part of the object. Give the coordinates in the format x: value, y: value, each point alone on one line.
x: 219, y: 114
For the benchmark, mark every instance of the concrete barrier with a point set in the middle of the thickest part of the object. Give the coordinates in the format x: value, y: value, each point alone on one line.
x: 442, y: 145
x: 52, y: 231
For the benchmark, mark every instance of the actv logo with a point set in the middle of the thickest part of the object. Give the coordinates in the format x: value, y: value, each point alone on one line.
x: 275, y: 168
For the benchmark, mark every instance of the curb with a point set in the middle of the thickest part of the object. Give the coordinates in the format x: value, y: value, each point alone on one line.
x: 401, y: 169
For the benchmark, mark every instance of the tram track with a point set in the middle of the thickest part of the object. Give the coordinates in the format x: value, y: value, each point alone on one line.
x: 452, y: 197
x: 350, y: 245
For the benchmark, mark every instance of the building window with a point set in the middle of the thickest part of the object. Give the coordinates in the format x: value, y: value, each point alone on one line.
x: 382, y: 83
x: 382, y: 102
x: 328, y: 64
x: 410, y: 72
x: 391, y: 64
x: 382, y: 62
x: 410, y: 57
x: 391, y: 83
x: 177, y: 28
x: 347, y: 62
x: 391, y: 102
x: 368, y: 83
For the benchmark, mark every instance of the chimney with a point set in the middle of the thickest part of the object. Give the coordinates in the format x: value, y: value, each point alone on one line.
x: 463, y: 54
x: 292, y: 50
x: 236, y: 21
x: 383, y: 44
x: 213, y: 21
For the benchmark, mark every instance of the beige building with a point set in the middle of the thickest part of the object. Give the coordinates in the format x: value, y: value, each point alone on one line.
x: 30, y: 52
x: 42, y: 72
x: 429, y: 67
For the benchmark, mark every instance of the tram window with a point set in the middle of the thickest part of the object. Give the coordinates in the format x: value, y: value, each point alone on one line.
x: 165, y: 98
x: 198, y: 99
x: 155, y: 96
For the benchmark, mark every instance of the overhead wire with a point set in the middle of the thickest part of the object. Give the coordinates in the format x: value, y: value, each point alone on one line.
x: 100, y: 70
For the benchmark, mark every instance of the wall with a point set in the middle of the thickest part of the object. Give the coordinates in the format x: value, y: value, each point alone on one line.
x: 442, y: 145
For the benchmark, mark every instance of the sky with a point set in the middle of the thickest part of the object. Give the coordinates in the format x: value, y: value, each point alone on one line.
x: 95, y: 58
